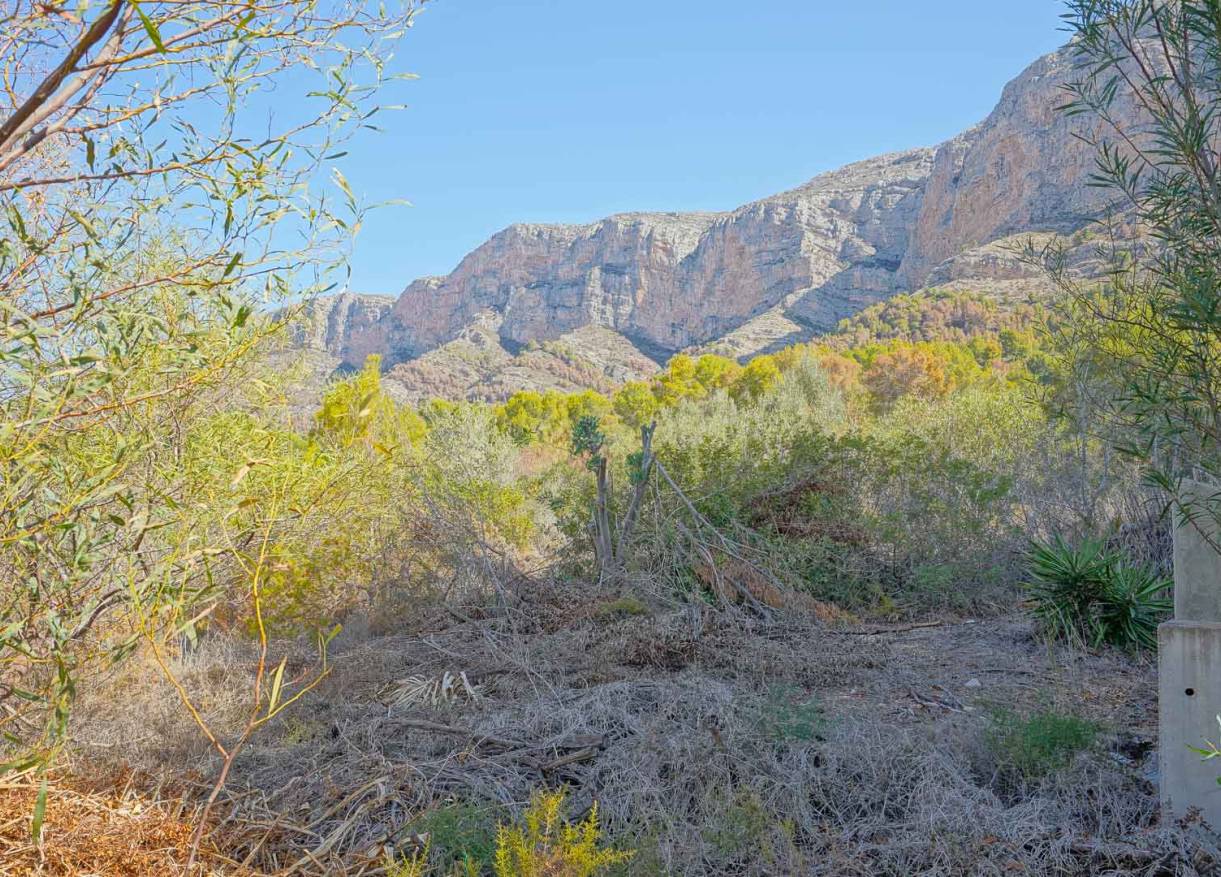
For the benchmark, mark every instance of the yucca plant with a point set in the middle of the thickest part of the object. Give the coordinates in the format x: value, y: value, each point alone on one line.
x: 1136, y: 601
x: 1065, y: 581
x: 1089, y: 594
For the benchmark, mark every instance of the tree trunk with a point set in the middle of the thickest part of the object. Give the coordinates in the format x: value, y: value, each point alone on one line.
x: 641, y: 486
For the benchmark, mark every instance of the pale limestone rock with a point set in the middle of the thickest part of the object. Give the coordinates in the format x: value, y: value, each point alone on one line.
x: 669, y: 281
x: 769, y: 273
x: 329, y: 323
x: 1022, y: 169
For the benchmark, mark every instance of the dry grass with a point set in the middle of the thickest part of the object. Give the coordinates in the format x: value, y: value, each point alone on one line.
x: 667, y: 716
x: 112, y: 832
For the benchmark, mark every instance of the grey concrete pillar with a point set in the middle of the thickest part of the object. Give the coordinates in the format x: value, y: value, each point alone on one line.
x: 1189, y: 672
x: 1196, y: 561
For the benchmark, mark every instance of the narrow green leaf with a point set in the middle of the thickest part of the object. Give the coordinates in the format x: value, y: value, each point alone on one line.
x: 40, y: 812
x: 342, y: 182
x: 149, y: 27
x: 277, y: 682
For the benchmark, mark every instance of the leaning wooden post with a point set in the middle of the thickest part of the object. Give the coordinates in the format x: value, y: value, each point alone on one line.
x: 1189, y: 666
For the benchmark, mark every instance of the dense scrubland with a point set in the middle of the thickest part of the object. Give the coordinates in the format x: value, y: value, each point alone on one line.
x: 817, y: 538
x: 882, y: 603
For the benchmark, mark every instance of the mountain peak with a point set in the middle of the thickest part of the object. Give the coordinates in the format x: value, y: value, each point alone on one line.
x: 780, y: 268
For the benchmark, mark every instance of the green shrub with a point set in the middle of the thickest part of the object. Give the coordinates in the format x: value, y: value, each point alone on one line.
x: 742, y: 826
x: 936, y: 582
x: 1089, y: 594
x: 787, y: 713
x: 826, y: 569
x: 461, y: 837
x: 622, y: 607
x: 744, y: 834
x: 1032, y: 747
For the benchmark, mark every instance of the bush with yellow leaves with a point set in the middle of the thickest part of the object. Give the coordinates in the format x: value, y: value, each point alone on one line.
x: 548, y: 846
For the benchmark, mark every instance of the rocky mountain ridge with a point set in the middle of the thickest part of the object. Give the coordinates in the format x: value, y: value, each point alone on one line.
x: 640, y: 286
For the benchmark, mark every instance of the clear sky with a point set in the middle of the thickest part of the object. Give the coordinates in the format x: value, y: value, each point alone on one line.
x: 569, y: 110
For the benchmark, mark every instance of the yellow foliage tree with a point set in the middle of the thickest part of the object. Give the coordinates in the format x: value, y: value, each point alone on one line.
x: 635, y: 404
x: 679, y: 381
x: 986, y: 349
x: 759, y: 376
x: 529, y: 416
x: 716, y: 372
x: 358, y: 409
x: 584, y: 404
x: 790, y: 357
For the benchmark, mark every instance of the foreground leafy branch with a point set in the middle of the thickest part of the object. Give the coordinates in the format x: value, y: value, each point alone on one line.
x: 1145, y: 343
x: 149, y: 214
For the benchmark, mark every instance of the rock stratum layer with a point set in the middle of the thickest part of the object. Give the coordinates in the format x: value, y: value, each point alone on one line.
x: 640, y: 286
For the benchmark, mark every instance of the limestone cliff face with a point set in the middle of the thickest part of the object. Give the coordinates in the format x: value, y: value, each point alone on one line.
x: 796, y: 262
x: 330, y: 323
x: 671, y: 280
x: 1022, y: 169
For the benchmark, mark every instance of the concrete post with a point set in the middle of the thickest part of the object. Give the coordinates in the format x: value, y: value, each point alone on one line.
x: 1189, y: 674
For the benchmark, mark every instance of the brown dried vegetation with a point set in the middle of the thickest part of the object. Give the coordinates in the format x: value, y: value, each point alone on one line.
x: 714, y: 742
x: 104, y: 828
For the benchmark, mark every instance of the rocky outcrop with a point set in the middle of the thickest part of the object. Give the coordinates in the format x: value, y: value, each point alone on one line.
x: 771, y: 271
x: 668, y: 281
x: 331, y: 323
x: 1022, y: 169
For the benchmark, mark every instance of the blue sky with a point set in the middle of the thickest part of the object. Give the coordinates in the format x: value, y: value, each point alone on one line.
x: 569, y: 110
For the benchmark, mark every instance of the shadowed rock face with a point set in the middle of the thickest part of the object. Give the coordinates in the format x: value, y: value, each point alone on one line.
x: 330, y: 323
x: 796, y: 262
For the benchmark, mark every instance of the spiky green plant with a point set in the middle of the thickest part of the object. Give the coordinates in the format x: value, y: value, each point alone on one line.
x: 1089, y: 594
x: 1064, y: 583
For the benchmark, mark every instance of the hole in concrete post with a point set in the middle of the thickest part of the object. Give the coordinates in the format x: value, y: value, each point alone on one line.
x: 1191, y: 692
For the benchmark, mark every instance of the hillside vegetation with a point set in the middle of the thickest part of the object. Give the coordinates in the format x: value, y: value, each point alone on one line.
x: 807, y: 537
